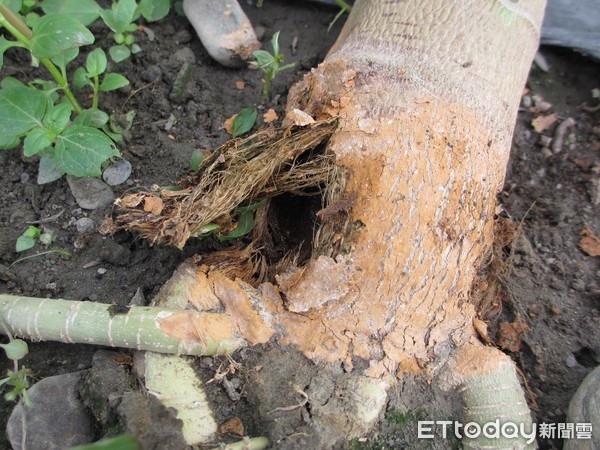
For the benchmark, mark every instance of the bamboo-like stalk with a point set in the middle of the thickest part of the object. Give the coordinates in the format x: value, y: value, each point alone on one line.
x: 136, y: 327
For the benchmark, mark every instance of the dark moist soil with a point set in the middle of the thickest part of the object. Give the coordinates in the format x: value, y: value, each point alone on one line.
x: 552, y: 286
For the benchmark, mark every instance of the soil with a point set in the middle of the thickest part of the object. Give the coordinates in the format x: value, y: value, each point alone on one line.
x: 551, y: 197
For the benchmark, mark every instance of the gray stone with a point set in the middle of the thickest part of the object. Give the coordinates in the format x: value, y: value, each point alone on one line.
x: 105, y: 382
x: 585, y: 408
x: 117, y: 173
x: 57, y: 419
x: 85, y: 224
x: 224, y: 30
x: 90, y: 193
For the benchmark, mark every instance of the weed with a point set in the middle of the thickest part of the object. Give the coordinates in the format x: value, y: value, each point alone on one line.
x: 17, y: 379
x: 270, y: 64
x: 30, y: 235
x: 39, y: 113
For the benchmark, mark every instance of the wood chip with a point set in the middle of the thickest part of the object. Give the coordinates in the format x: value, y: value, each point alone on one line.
x: 228, y: 125
x: 300, y: 118
x: 270, y: 116
x: 233, y: 426
x: 589, y: 243
x: 240, y: 84
x: 153, y: 205
x: 541, y: 122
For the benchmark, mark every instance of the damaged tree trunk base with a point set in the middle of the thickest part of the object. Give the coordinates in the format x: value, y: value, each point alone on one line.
x: 417, y: 103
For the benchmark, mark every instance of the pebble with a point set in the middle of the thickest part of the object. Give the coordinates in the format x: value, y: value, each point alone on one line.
x: 185, y: 55
x: 24, y: 177
x: 85, y: 224
x: 570, y: 361
x: 152, y: 73
x: 57, y: 420
x: 117, y: 173
x: 224, y: 30
x: 585, y: 408
x: 182, y: 37
x: 90, y: 193
x: 102, y: 271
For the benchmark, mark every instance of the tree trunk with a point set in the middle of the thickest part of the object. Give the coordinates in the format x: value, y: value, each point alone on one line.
x: 427, y: 95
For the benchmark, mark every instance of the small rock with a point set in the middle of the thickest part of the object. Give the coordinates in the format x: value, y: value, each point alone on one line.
x: 138, y: 298
x: 570, y: 361
x: 90, y: 193
x: 182, y: 37
x: 102, y: 271
x: 152, y: 73
x: 185, y: 55
x: 85, y: 224
x: 24, y: 177
x: 224, y: 30
x: 113, y: 253
x: 57, y: 419
x: 117, y: 173
x: 585, y: 408
x: 526, y: 101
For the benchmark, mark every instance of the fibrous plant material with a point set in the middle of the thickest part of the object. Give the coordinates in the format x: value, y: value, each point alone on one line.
x: 239, y: 173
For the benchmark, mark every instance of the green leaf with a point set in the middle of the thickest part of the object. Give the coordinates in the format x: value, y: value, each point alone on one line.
x: 120, y: 16
x: 81, y: 78
x: 5, y: 45
x: 275, y: 43
x: 65, y: 58
x: 244, y: 121
x: 37, y: 140
x: 13, y: 5
x: 21, y: 109
x: 119, y: 53
x: 196, y: 159
x: 8, y: 142
x: 16, y: 349
x: 85, y: 11
x: 263, y: 59
x: 154, y: 10
x: 56, y: 33
x: 31, y: 19
x: 48, y: 171
x: 115, y: 443
x: 250, y: 208
x: 113, y: 81
x: 27, y: 239
x: 58, y: 117
x: 207, y: 229
x: 91, y: 118
x: 9, y: 82
x: 244, y: 226
x: 45, y: 238
x: 80, y: 151
x: 96, y: 62
x: 135, y: 49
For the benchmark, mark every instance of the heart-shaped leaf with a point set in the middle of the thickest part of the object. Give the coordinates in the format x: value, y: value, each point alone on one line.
x: 81, y: 150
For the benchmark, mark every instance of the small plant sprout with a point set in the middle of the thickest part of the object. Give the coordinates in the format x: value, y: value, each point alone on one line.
x: 16, y: 379
x: 344, y: 8
x: 120, y: 19
x: 270, y: 64
x: 30, y: 235
x: 90, y: 76
x: 244, y: 121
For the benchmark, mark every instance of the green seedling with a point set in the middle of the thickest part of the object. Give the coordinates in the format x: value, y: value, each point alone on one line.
x: 270, y: 64
x: 29, y: 237
x: 121, y: 20
x: 90, y: 76
x: 244, y: 121
x: 17, y: 379
x: 40, y: 113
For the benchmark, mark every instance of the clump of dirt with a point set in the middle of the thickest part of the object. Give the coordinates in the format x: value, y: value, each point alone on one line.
x: 552, y: 195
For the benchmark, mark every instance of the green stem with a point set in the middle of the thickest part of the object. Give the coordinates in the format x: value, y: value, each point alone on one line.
x: 345, y: 6
x: 19, y: 29
x: 96, y: 92
x: 267, y: 86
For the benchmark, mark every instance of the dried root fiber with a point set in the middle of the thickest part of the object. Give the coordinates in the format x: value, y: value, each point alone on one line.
x: 239, y: 173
